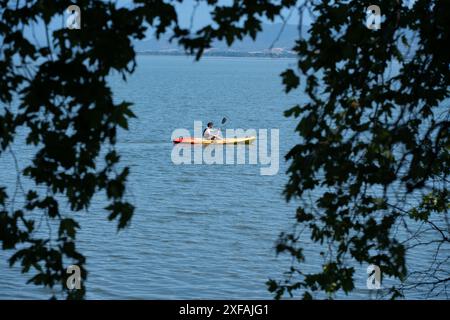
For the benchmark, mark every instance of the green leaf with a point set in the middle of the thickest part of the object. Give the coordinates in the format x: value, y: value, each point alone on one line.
x: 67, y: 227
x: 290, y: 80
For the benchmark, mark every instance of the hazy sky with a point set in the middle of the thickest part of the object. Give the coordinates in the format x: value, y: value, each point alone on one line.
x: 202, y: 13
x: 202, y: 16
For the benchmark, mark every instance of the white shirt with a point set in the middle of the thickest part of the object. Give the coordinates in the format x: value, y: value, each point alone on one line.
x: 208, y: 134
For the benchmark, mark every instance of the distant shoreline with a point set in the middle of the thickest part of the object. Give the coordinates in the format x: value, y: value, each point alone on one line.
x: 221, y: 54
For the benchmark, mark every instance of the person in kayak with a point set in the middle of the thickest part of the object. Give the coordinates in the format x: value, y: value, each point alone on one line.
x: 208, y: 132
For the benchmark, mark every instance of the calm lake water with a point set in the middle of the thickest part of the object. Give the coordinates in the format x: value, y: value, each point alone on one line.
x: 199, y: 231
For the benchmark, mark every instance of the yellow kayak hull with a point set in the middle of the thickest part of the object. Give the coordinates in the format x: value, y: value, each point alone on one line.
x: 189, y: 140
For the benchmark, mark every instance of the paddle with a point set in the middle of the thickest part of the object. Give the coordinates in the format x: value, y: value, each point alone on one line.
x: 224, y: 120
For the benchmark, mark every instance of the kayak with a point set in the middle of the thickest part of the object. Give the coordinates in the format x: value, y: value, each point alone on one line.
x: 191, y: 140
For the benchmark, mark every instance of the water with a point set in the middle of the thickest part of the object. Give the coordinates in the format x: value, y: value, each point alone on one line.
x: 199, y: 231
